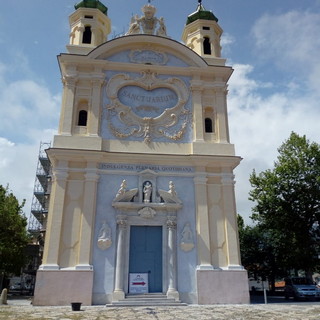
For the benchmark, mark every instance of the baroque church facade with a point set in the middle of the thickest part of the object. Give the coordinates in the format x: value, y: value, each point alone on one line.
x: 142, y: 199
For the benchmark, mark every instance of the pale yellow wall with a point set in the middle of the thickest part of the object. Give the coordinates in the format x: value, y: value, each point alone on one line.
x: 217, y: 226
x: 71, y: 224
x: 83, y: 78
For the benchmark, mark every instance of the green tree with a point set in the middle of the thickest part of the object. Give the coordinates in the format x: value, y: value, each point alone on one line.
x: 13, y: 233
x: 259, y: 253
x: 287, y: 204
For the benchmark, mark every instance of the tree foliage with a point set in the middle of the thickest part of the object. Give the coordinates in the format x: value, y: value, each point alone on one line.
x: 287, y: 204
x: 13, y: 233
x: 259, y: 253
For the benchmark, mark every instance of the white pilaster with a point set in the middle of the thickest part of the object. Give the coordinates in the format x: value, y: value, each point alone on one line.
x: 94, y: 114
x: 196, y: 87
x: 222, y: 117
x: 55, y: 217
x: 203, y: 225
x: 88, y: 215
x: 172, y: 258
x: 66, y: 119
x: 118, y: 292
x: 229, y: 206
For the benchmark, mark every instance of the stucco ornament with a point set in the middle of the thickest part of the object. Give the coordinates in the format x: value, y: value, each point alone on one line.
x: 147, y: 213
x: 148, y: 57
x: 147, y: 107
x: 187, y: 243
x: 123, y: 194
x: 104, y: 237
x: 148, y: 23
x: 169, y: 196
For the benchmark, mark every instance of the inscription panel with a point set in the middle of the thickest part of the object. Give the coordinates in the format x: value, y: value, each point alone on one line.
x: 139, y: 167
x: 147, y: 103
x: 148, y: 108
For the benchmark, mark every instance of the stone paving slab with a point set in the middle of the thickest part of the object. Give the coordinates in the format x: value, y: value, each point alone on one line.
x: 25, y: 311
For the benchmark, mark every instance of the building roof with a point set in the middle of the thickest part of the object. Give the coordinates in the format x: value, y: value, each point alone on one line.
x: 201, y: 13
x: 94, y: 4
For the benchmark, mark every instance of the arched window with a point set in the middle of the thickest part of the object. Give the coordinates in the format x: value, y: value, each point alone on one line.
x: 206, y: 45
x: 82, y: 120
x: 87, y: 35
x: 208, y: 125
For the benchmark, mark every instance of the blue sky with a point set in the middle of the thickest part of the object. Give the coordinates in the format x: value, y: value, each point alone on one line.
x: 273, y: 47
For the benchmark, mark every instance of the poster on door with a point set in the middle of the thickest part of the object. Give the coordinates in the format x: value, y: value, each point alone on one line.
x: 138, y: 283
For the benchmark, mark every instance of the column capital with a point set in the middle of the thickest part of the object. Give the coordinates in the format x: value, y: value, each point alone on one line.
x: 60, y: 175
x: 200, y: 179
x: 196, y: 86
x: 92, y: 176
x: 97, y: 80
x: 221, y: 90
x: 172, y: 222
x: 122, y: 221
x: 70, y: 80
x: 227, y: 179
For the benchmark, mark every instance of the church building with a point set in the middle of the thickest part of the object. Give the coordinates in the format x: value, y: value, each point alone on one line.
x: 142, y: 207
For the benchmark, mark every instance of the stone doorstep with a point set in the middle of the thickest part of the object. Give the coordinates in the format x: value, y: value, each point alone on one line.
x: 140, y: 300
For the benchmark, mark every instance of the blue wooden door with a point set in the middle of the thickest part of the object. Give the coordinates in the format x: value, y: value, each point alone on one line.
x: 146, y: 254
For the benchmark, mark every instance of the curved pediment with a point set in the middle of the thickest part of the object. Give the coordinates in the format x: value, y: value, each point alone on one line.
x: 146, y: 49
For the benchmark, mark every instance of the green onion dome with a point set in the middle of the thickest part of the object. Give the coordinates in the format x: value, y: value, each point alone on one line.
x: 95, y: 4
x: 201, y: 13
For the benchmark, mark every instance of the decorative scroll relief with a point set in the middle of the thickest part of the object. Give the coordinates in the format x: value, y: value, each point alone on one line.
x: 148, y: 56
x: 147, y: 213
x: 169, y: 196
x: 125, y: 195
x: 147, y: 107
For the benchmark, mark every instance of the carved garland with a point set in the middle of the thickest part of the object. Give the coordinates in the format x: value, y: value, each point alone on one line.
x: 123, y: 122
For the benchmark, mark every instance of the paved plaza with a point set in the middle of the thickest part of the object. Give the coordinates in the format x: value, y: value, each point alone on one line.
x: 22, y: 309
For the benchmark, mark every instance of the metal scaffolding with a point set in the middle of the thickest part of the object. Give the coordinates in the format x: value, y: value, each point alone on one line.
x: 41, y: 192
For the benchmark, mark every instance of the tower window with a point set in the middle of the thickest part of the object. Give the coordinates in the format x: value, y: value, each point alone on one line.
x: 206, y: 45
x: 205, y: 28
x: 82, y: 120
x: 88, y: 17
x: 87, y: 35
x: 208, y: 125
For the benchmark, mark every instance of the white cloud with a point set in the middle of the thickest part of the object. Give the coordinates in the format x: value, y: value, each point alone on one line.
x: 4, y: 145
x: 33, y: 107
x: 261, y: 119
x: 28, y: 113
x: 291, y: 41
x: 227, y: 40
x: 259, y: 124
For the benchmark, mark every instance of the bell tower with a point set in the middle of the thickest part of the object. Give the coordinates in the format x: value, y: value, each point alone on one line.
x: 202, y: 34
x: 90, y: 26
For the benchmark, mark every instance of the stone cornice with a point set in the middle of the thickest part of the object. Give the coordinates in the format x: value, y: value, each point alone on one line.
x: 133, y: 206
x: 143, y: 158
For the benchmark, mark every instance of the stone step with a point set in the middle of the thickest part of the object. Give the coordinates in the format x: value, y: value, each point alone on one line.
x: 140, y: 300
x: 146, y: 296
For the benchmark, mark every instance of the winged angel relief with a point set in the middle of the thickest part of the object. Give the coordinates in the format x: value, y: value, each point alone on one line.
x: 147, y: 107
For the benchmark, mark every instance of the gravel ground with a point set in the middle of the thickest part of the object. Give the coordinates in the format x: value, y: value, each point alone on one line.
x: 24, y: 310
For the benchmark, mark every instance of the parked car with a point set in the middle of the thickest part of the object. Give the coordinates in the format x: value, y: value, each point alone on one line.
x: 16, y: 286
x: 301, y: 288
